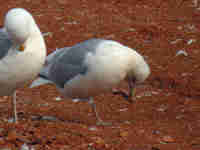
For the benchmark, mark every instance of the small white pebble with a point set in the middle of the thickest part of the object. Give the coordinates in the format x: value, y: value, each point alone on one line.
x: 5, y: 97
x: 148, y: 93
x: 191, y: 41
x: 162, y: 108
x: 138, y: 96
x: 195, y: 3
x: 182, y: 52
x: 72, y: 22
x: 184, y: 74
x: 92, y: 128
x: 179, y: 116
x: 175, y: 41
x: 47, y: 34
x: 179, y: 27
x: 75, y: 100
x: 155, y: 92
x: 24, y: 147
x: 131, y: 29
x: 10, y: 120
x: 58, y: 98
x: 90, y: 144
x: 123, y: 109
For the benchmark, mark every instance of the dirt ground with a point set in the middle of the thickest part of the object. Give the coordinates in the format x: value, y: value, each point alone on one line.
x: 166, y: 112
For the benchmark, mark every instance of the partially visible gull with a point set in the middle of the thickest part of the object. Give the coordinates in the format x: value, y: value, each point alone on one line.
x: 22, y: 53
x: 93, y: 67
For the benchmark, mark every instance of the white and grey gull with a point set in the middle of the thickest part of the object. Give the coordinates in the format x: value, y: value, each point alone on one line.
x: 22, y: 53
x: 93, y: 67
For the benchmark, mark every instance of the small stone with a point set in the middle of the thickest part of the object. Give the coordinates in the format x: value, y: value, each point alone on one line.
x: 162, y: 108
x: 191, y: 41
x: 148, y: 93
x: 124, y: 133
x: 155, y: 148
x: 76, y: 100
x: 92, y: 128
x: 49, y: 118
x: 24, y: 147
x: 175, y: 41
x: 156, y: 132
x: 179, y: 27
x: 5, y: 149
x: 10, y: 120
x: 58, y: 98
x: 98, y: 140
x: 168, y: 139
x: 1, y: 130
x: 123, y: 109
x: 47, y: 34
x: 182, y: 52
x: 155, y: 92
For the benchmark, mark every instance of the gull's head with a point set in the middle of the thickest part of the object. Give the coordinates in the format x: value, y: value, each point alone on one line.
x: 18, y: 23
x: 138, y: 69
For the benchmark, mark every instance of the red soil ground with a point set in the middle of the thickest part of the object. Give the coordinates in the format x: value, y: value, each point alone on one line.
x: 166, y: 113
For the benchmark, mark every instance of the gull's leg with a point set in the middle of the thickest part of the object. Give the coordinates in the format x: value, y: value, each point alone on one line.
x: 132, y: 89
x: 128, y: 96
x: 94, y: 109
x: 14, y: 109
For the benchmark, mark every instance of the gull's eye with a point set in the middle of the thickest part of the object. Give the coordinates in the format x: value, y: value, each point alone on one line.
x: 21, y: 48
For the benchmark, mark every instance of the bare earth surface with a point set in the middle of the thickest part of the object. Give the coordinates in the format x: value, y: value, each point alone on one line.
x: 166, y: 111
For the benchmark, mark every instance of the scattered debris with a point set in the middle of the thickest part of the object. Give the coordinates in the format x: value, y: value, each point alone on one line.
x: 24, y: 147
x: 58, y: 98
x: 10, y: 120
x: 180, y: 117
x: 190, y: 27
x: 43, y: 105
x: 123, y: 109
x: 182, y: 52
x: 195, y: 3
x: 47, y: 34
x: 156, y: 132
x: 76, y: 100
x: 155, y: 148
x: 124, y: 133
x: 162, y: 108
x: 179, y: 27
x: 93, y: 128
x: 175, y: 41
x: 98, y: 140
x: 72, y: 22
x: 49, y: 118
x: 155, y: 92
x: 191, y: 41
x: 168, y: 139
x: 1, y: 130
x: 5, y: 149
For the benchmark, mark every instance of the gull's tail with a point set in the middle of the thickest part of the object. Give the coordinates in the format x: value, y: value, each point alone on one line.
x: 41, y: 80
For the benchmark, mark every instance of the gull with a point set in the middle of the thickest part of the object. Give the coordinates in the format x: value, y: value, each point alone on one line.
x: 93, y: 67
x: 22, y: 53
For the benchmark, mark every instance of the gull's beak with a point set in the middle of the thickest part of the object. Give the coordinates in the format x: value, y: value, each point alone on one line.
x: 21, y: 48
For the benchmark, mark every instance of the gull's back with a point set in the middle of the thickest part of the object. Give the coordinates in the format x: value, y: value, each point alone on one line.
x: 5, y: 43
x: 70, y: 62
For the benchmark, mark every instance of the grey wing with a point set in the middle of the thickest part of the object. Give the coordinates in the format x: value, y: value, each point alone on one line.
x: 55, y: 54
x: 65, y: 72
x: 71, y: 62
x: 5, y: 43
x: 67, y: 66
